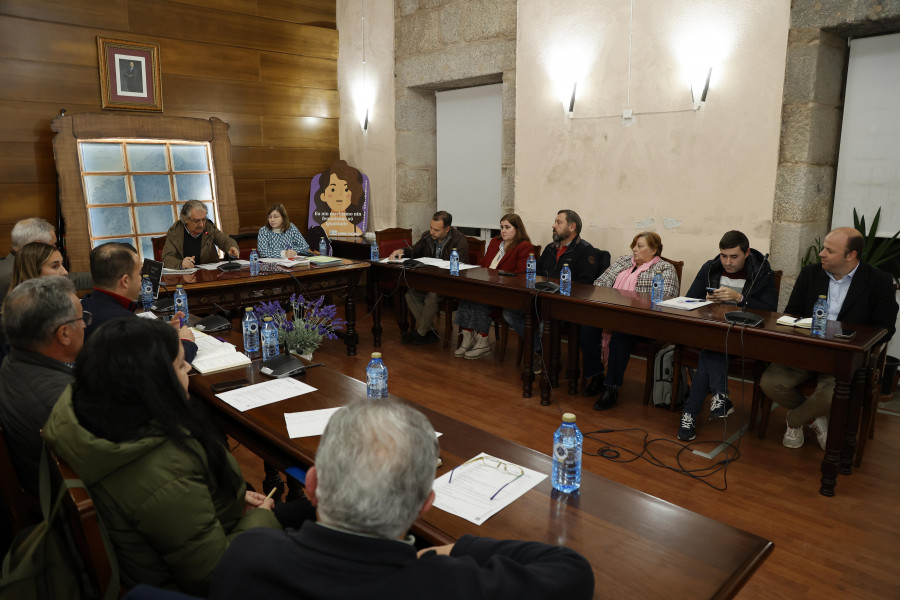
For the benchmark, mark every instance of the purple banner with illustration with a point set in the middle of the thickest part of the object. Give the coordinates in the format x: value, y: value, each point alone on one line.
x: 339, y: 201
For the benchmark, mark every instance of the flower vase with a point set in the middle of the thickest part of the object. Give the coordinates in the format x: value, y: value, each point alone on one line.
x: 308, y: 356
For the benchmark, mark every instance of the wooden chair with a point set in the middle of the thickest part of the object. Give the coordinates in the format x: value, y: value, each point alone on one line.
x: 246, y: 242
x: 476, y: 249
x: 80, y: 516
x: 392, y: 239
x: 648, y: 350
x: 737, y: 367
x: 23, y: 508
x: 158, y: 244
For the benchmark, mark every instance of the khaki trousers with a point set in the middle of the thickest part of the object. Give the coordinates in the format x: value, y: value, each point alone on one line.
x: 424, y: 306
x: 780, y: 384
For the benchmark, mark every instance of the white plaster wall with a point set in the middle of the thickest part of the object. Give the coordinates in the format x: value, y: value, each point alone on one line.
x: 373, y: 153
x: 690, y: 176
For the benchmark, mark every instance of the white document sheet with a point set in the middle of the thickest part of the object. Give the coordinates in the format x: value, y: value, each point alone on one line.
x: 469, y: 494
x: 308, y: 423
x: 264, y: 393
x: 684, y: 303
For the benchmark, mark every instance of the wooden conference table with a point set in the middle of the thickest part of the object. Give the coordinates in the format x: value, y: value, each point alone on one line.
x: 705, y: 327
x: 622, y: 532
x: 478, y: 285
x: 235, y: 290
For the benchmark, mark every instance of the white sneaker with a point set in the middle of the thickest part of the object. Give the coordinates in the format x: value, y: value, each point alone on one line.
x: 482, y: 347
x: 793, y: 436
x: 819, y: 426
x: 467, y: 342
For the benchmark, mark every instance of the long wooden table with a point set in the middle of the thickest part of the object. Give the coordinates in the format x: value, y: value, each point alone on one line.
x: 705, y: 327
x: 234, y: 290
x: 478, y: 285
x: 623, y: 533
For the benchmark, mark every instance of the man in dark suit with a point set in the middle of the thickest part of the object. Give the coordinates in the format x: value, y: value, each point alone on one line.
x: 116, y: 270
x: 857, y: 293
x: 373, y: 476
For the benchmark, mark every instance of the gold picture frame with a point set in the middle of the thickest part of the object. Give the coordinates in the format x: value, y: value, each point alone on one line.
x: 129, y: 75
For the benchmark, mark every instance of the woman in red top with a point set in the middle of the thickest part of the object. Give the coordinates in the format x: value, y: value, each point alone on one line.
x: 507, y: 253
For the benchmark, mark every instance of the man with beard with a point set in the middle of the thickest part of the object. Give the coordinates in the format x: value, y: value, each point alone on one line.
x: 567, y: 248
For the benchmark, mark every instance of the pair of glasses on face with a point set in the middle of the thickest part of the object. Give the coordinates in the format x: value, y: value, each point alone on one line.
x: 514, y: 470
x: 86, y: 316
x: 199, y: 221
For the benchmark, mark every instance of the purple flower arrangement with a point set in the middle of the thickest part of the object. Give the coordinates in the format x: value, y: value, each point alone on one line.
x: 310, y: 322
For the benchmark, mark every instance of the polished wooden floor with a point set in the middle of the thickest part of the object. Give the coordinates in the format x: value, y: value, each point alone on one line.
x: 843, y: 547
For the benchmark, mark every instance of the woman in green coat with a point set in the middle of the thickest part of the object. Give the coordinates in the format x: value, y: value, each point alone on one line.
x: 167, y: 490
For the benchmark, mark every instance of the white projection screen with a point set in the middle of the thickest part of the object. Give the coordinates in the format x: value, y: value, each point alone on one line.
x: 469, y: 130
x: 868, y: 175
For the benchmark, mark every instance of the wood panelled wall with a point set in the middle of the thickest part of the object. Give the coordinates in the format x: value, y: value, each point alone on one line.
x: 266, y: 67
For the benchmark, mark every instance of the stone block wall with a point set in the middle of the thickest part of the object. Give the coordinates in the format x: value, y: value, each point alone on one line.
x: 811, y: 118
x: 444, y: 45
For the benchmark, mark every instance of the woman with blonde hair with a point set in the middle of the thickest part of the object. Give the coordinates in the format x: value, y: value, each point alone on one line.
x: 34, y: 260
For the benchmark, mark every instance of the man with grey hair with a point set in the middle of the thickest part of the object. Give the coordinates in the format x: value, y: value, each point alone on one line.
x: 44, y: 324
x: 193, y: 239
x: 373, y: 476
x: 34, y: 229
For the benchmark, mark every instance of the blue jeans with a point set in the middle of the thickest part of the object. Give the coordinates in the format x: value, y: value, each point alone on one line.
x: 516, y: 320
x: 711, y: 376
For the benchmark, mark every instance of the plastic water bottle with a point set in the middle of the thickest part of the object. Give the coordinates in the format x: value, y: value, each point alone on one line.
x: 269, y: 339
x: 376, y: 377
x: 565, y: 281
x: 820, y: 316
x: 530, y: 267
x: 146, y: 292
x: 254, y: 262
x: 323, y: 247
x: 251, y: 331
x: 181, y: 303
x: 567, y: 444
x: 373, y: 251
x: 454, y: 262
x: 656, y: 293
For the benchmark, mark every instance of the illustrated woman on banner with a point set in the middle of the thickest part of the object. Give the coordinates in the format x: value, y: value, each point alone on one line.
x: 339, y: 205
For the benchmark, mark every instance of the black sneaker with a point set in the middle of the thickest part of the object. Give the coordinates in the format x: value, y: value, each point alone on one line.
x: 720, y: 407
x: 429, y: 338
x: 687, y: 431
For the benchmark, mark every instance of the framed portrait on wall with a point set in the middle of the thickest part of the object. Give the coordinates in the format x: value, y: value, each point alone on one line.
x: 129, y: 75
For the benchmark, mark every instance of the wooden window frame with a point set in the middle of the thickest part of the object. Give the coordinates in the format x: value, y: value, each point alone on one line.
x: 69, y: 129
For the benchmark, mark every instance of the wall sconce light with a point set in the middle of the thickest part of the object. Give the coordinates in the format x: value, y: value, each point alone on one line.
x: 569, y: 106
x: 700, y: 87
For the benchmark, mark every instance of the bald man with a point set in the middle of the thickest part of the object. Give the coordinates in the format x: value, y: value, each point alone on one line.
x: 857, y: 293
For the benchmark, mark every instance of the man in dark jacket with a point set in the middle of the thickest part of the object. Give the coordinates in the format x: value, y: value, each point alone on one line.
x: 116, y: 270
x: 438, y: 242
x: 857, y: 293
x: 567, y: 248
x: 373, y: 476
x: 44, y: 323
x: 741, y: 276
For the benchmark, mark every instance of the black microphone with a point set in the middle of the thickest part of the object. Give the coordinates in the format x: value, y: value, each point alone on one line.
x: 742, y: 317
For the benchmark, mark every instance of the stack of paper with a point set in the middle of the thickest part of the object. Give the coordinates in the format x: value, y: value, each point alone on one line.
x: 215, y: 355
